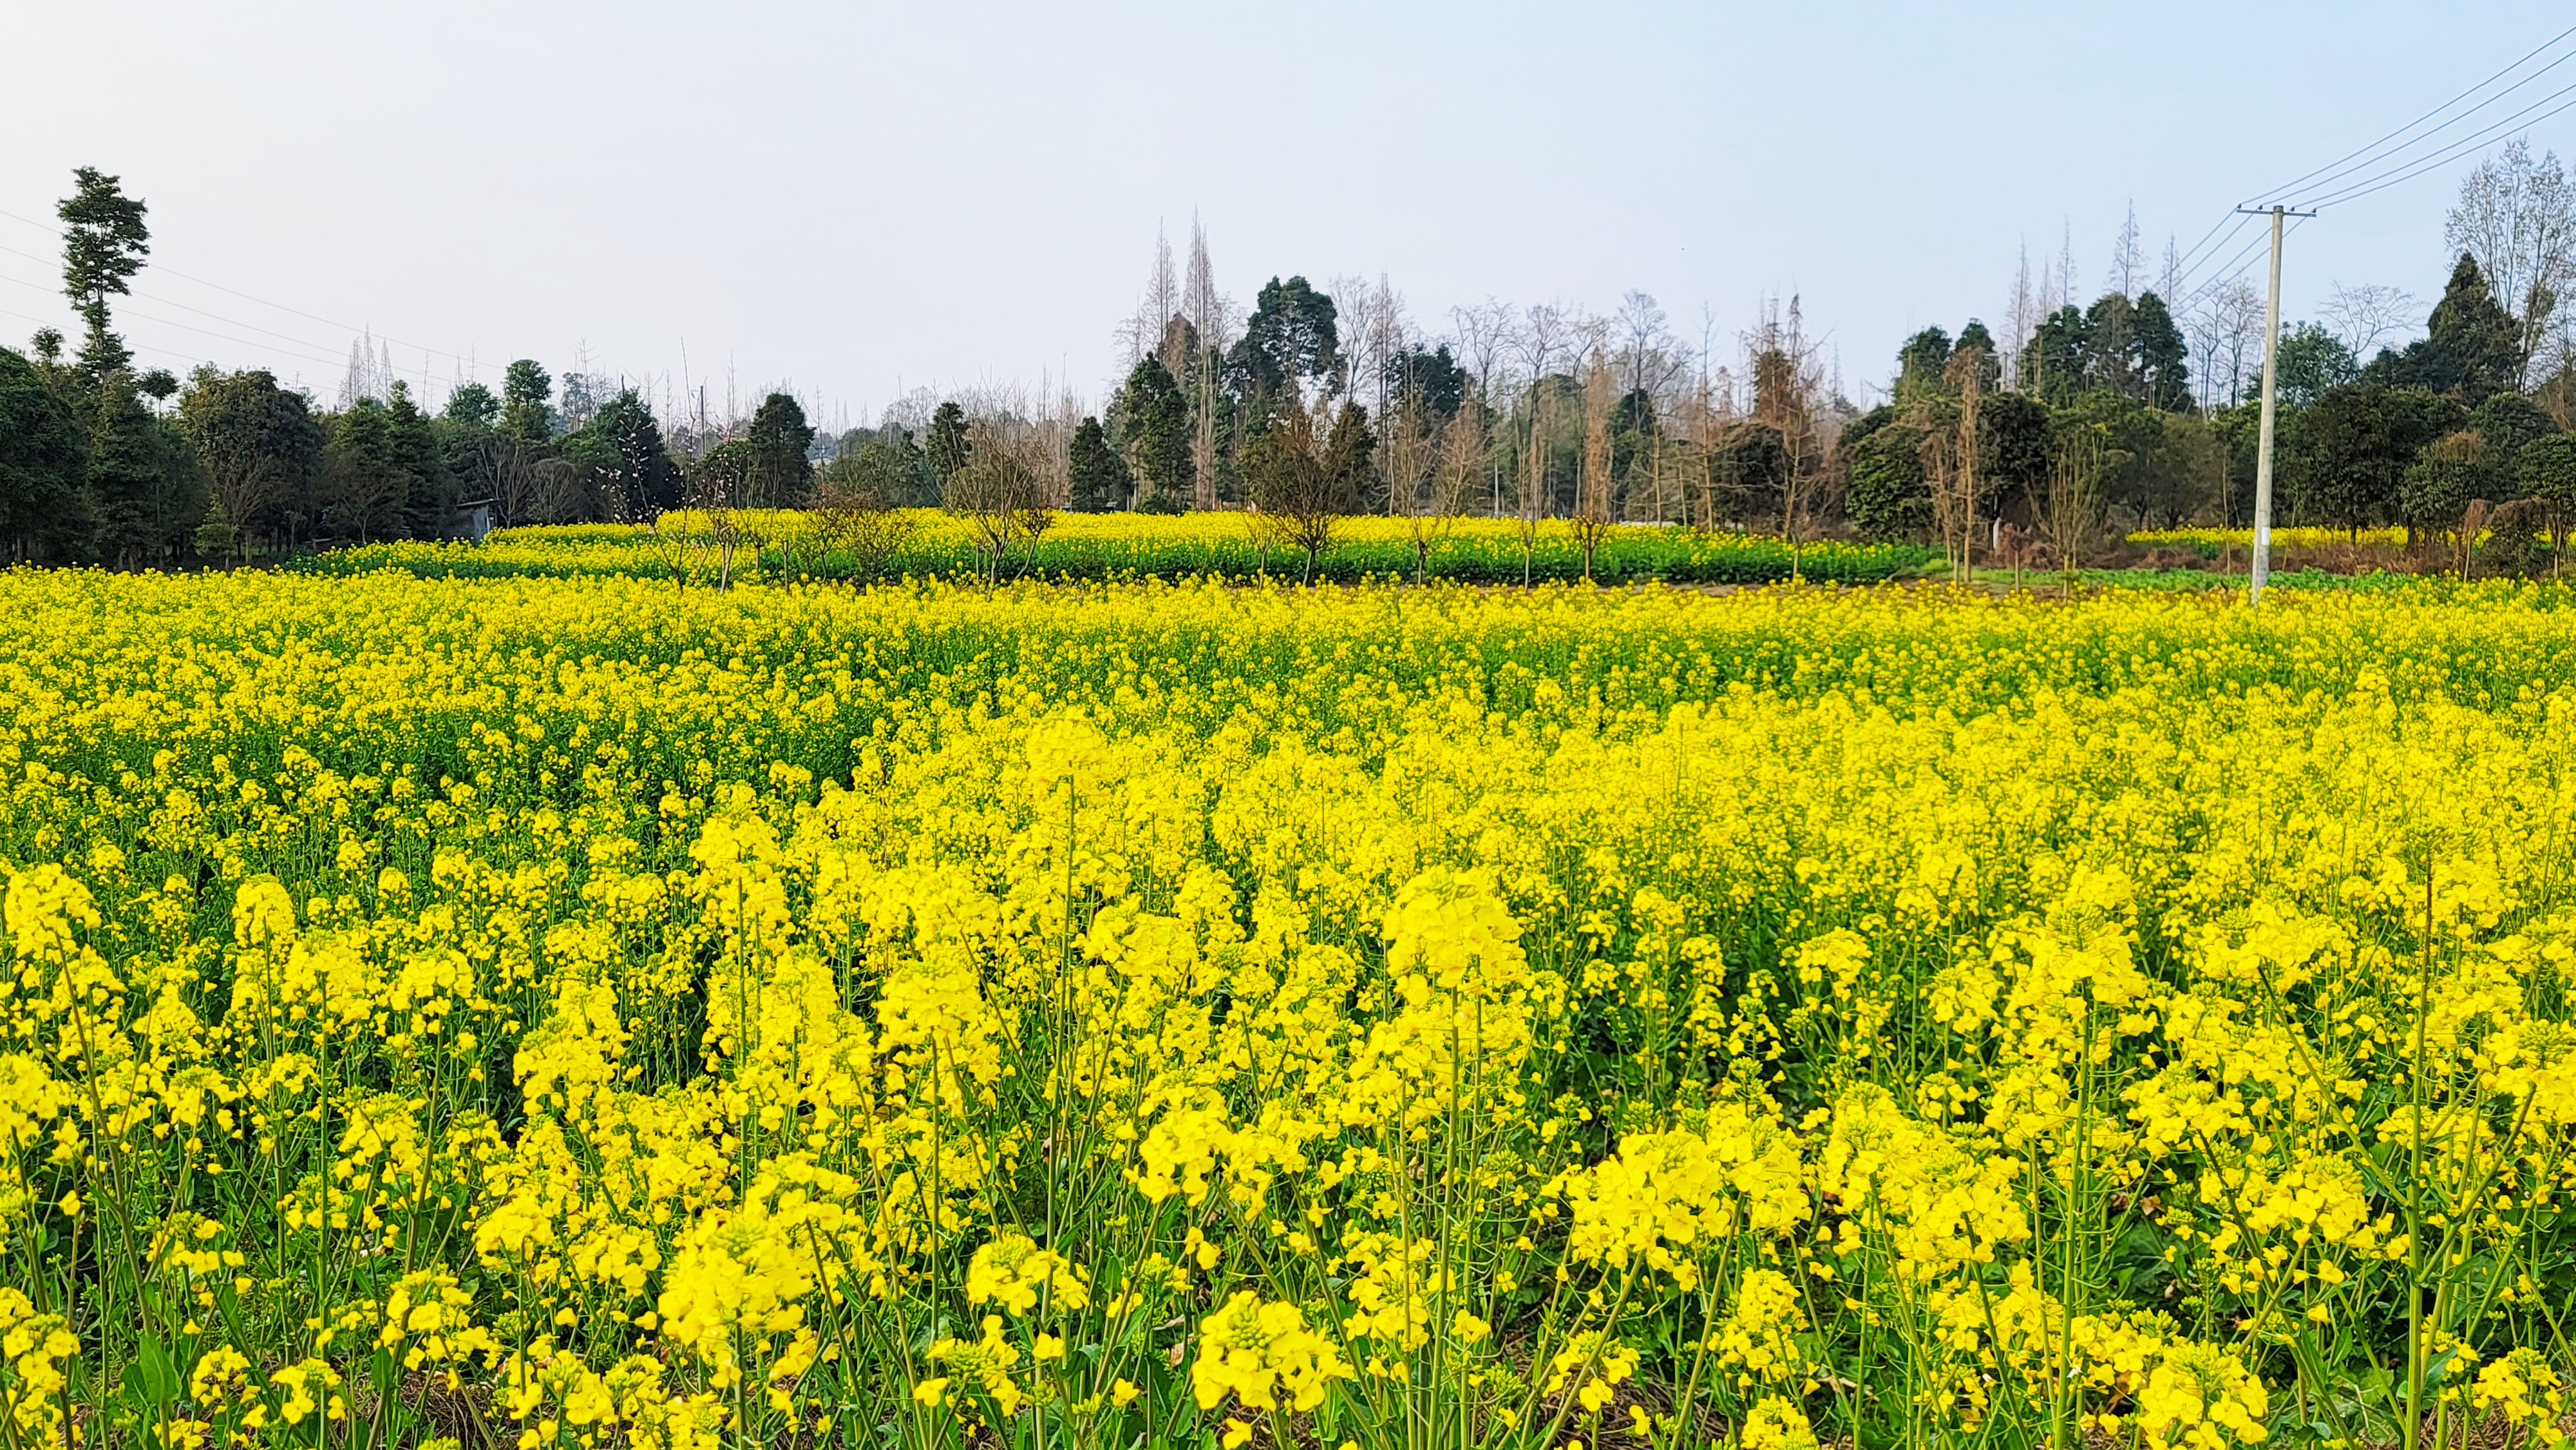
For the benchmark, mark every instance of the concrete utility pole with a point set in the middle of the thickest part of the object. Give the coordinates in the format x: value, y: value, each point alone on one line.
x: 2263, y: 455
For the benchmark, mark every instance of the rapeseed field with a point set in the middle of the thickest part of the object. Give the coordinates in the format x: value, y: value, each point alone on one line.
x: 586, y: 1013
x: 770, y: 545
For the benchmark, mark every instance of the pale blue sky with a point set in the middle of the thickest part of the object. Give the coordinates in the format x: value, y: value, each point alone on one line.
x: 863, y: 197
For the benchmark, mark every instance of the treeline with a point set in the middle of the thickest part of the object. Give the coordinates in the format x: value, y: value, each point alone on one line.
x: 2097, y: 432
x: 1312, y: 400
x: 105, y: 462
x: 1328, y: 400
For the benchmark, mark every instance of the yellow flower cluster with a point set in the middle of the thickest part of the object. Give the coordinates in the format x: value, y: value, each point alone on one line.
x: 690, y: 547
x: 1092, y: 1017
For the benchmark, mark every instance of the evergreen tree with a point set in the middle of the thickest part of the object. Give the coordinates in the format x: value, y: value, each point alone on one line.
x: 887, y: 467
x: 142, y: 479
x: 1154, y: 431
x: 2509, y: 422
x: 364, y: 488
x: 525, y: 417
x: 2546, y: 470
x: 411, y: 444
x: 1350, y: 456
x: 2471, y: 350
x: 468, y: 447
x: 2309, y: 361
x: 1920, y: 361
x: 472, y: 404
x: 2163, y: 360
x: 2350, y: 451
x: 781, y: 474
x: 2053, y: 366
x: 946, y: 449
x: 259, y: 445
x: 1293, y: 335
x: 2015, y: 447
x: 637, y: 480
x: 44, y: 462
x: 2110, y: 356
x: 2433, y: 493
x: 104, y: 244
x: 1099, y: 478
x: 1990, y: 371
x: 1884, y: 489
x: 1432, y: 378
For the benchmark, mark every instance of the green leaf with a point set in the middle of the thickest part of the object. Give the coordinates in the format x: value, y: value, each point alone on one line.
x: 152, y: 1379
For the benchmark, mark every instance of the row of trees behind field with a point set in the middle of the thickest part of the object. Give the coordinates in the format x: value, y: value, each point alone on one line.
x: 2067, y: 421
x: 102, y: 460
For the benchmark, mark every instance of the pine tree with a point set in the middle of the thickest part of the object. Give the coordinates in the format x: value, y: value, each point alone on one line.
x: 946, y: 450
x: 138, y: 477
x: 365, y: 489
x: 411, y: 446
x: 2475, y: 346
x: 2163, y: 360
x: 1154, y: 425
x: 44, y: 461
x: 525, y: 418
x: 781, y: 474
x: 1100, y: 481
x: 104, y: 244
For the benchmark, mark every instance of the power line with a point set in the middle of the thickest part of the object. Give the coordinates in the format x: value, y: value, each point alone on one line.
x: 2212, y: 255
x: 460, y: 359
x: 2386, y: 179
x: 188, y: 327
x: 2393, y: 152
x: 2212, y: 243
x: 138, y: 346
x: 2186, y: 259
x: 200, y: 311
x: 2258, y: 197
x: 2233, y: 268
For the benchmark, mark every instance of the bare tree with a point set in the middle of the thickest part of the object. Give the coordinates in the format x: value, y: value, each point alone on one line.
x: 2128, y: 259
x: 676, y: 545
x: 2021, y: 315
x: 1542, y: 333
x: 2363, y: 315
x: 1354, y: 309
x: 1299, y: 491
x: 1201, y: 303
x: 2072, y: 513
x: 2517, y: 217
x: 2227, y: 331
x: 2200, y: 331
x: 241, y: 483
x: 1207, y: 311
x: 1647, y: 360
x: 1001, y: 490
x: 557, y: 491
x: 1950, y: 458
x: 1593, y: 483
x: 1706, y: 413
x: 861, y: 528
x: 1411, y: 454
x: 1162, y: 299
x: 1387, y: 342
x: 1788, y: 378
x: 1455, y: 473
x: 2066, y: 266
x: 1484, y: 331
